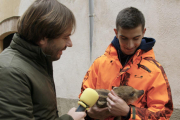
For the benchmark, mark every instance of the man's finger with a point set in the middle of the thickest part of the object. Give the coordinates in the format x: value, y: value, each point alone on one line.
x: 109, y: 102
x: 112, y: 92
x: 103, y: 109
x: 108, y: 105
x: 111, y: 97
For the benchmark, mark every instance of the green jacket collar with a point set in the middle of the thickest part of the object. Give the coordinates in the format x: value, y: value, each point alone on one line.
x: 32, y: 52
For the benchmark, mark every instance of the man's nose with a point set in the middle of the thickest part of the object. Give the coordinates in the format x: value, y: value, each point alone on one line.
x: 130, y: 44
x: 69, y: 43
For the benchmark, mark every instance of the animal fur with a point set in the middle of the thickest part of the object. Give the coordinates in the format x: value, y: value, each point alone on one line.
x: 127, y: 93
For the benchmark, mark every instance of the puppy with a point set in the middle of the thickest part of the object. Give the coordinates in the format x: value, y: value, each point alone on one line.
x: 127, y: 93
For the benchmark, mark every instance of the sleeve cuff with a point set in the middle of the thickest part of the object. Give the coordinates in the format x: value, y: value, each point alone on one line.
x: 133, y: 112
x: 87, y: 117
x: 128, y: 115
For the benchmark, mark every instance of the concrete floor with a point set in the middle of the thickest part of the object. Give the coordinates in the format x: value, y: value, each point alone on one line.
x: 65, y: 104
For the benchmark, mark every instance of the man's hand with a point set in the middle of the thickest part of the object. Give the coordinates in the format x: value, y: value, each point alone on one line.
x: 116, y: 105
x: 98, y: 113
x: 76, y: 115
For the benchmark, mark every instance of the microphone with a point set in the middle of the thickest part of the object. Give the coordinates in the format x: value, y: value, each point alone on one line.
x: 88, y: 99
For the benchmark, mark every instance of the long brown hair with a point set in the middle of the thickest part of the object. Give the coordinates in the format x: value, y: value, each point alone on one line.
x: 45, y: 18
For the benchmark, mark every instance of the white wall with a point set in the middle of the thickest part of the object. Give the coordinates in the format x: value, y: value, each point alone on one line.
x: 24, y: 4
x: 162, y: 23
x: 71, y: 68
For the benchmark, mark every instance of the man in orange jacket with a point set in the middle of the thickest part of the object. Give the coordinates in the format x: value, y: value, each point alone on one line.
x: 130, y: 60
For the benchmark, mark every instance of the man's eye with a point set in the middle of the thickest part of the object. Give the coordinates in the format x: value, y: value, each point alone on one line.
x: 136, y: 38
x: 124, y: 38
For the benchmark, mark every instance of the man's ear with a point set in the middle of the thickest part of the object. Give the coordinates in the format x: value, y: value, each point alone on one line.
x: 144, y: 31
x: 42, y: 42
x: 116, y: 32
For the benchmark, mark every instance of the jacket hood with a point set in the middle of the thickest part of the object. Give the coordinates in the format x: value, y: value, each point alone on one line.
x: 146, y: 43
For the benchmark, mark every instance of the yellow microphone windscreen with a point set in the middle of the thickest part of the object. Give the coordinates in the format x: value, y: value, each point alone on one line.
x: 89, y: 97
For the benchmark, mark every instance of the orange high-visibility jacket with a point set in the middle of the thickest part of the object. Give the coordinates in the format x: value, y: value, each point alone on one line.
x: 142, y: 72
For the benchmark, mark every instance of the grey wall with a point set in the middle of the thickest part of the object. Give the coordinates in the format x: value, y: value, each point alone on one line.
x: 71, y: 68
x: 162, y: 23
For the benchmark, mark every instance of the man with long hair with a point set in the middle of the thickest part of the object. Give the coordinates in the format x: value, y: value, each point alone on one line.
x: 27, y: 90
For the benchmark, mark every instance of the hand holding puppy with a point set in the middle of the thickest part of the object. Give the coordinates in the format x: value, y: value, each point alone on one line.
x: 116, y: 105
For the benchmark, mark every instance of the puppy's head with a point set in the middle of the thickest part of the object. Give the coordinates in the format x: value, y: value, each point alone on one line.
x: 128, y: 93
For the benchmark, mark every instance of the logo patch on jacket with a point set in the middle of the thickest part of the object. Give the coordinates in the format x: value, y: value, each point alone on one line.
x: 136, y: 76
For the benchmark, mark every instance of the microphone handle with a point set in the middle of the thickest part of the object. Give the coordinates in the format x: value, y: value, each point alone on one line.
x: 80, y: 109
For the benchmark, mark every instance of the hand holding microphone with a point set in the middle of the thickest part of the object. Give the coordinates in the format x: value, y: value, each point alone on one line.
x: 87, y: 99
x: 76, y: 115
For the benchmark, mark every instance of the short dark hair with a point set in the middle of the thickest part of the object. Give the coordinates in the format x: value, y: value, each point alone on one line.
x: 130, y: 18
x: 45, y: 18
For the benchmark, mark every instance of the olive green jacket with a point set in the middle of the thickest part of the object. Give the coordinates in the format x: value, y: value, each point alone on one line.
x: 27, y: 90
